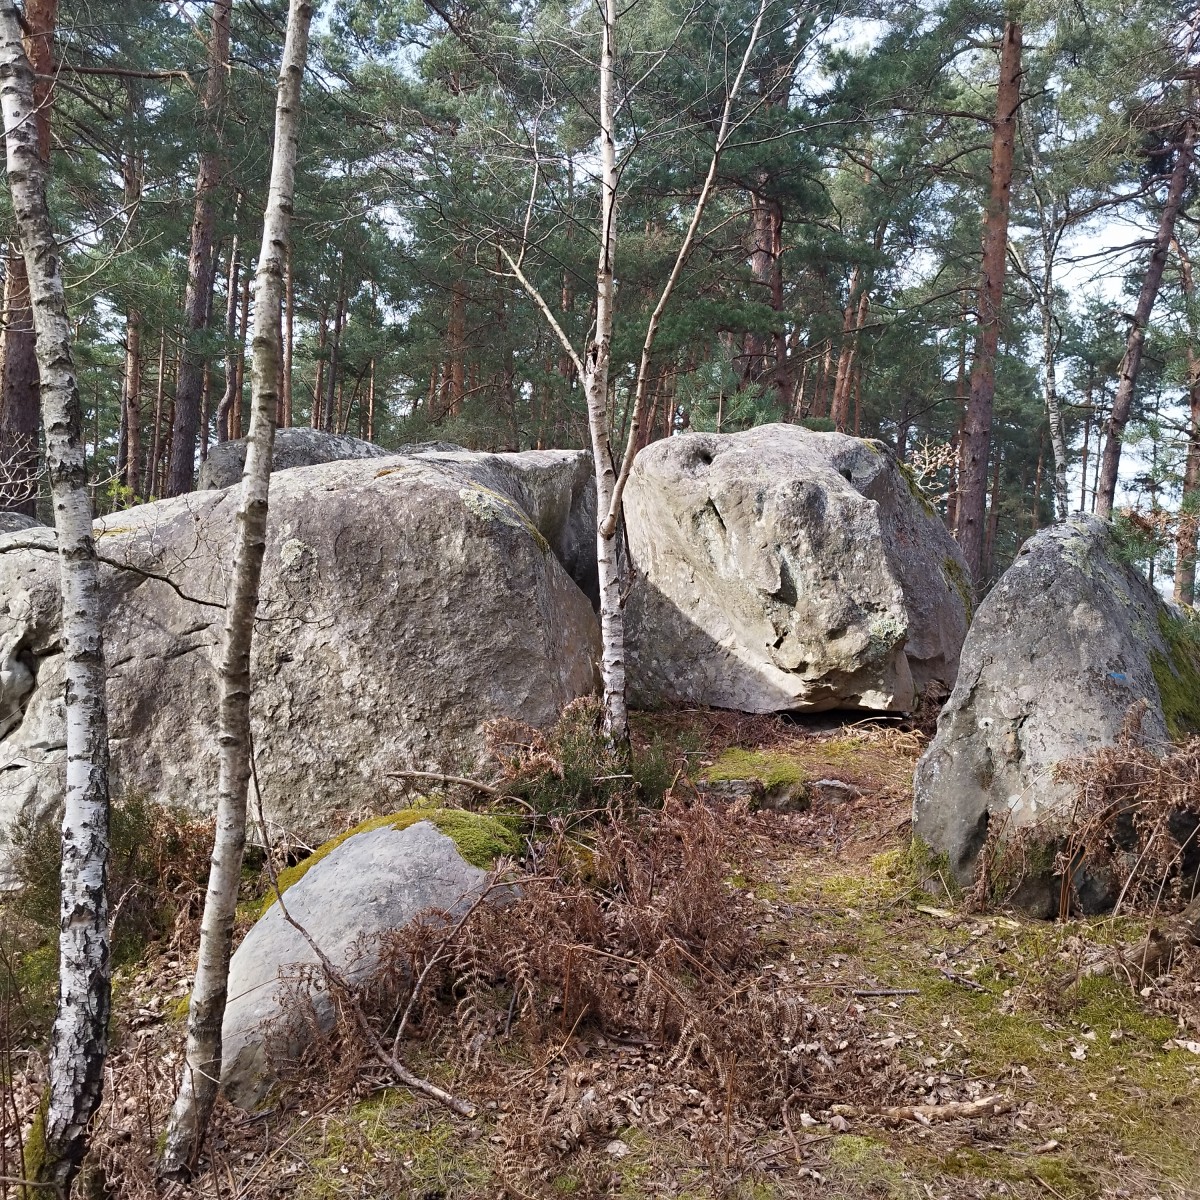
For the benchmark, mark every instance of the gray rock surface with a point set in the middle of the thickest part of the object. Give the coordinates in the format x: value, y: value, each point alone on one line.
x: 373, y: 882
x: 405, y: 602
x: 1059, y: 651
x: 782, y: 569
x: 11, y: 522
x: 294, y: 447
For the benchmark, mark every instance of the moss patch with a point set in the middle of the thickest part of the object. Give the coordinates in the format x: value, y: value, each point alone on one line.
x: 772, y: 768
x: 480, y: 839
x: 492, y: 506
x: 381, y: 1148
x: 957, y: 578
x: 917, y: 491
x: 1177, y: 674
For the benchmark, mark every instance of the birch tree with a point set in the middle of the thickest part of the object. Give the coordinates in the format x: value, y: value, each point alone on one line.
x: 593, y: 363
x: 202, y: 1068
x: 79, y: 1039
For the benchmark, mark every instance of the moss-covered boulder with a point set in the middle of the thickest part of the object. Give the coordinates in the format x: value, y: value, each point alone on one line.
x: 1063, y: 647
x: 782, y: 569
x: 380, y: 876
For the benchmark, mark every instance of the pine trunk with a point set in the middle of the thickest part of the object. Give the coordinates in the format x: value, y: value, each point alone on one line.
x: 977, y: 431
x: 201, y: 266
x: 1135, y: 344
x: 202, y: 1069
x: 1189, y: 516
x: 79, y: 1039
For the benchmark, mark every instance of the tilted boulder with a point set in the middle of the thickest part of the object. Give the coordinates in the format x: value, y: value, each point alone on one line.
x: 1068, y: 640
x: 782, y: 569
x: 296, y: 446
x: 378, y: 878
x: 405, y: 602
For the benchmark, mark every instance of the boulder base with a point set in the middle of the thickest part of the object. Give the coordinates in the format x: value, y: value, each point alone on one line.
x: 782, y: 569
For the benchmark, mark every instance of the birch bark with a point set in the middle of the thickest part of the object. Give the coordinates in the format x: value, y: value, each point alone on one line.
x: 202, y: 1068
x: 593, y: 366
x: 79, y: 1040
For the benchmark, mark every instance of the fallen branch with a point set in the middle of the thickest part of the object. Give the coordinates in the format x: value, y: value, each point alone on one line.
x: 926, y: 1114
x: 963, y: 981
x: 1151, y: 957
x: 461, y: 780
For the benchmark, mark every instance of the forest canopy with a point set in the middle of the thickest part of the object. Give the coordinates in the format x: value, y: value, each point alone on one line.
x: 834, y: 279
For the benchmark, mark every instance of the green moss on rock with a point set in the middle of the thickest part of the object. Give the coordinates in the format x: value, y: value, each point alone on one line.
x: 1177, y: 674
x: 916, y: 490
x: 956, y: 577
x: 480, y: 839
x: 772, y: 768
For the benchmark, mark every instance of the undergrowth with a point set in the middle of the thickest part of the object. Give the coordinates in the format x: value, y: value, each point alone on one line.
x: 574, y: 770
x: 641, y: 940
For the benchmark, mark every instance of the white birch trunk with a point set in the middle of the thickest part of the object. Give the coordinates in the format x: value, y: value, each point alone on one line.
x: 595, y: 385
x: 79, y: 1040
x: 1053, y: 409
x: 202, y: 1068
x: 593, y: 368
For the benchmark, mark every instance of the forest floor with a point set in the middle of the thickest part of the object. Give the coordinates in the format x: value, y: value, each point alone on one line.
x: 1082, y: 1089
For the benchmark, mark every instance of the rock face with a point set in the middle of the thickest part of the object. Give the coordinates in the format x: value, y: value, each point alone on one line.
x: 294, y: 447
x: 782, y: 569
x: 405, y: 602
x: 11, y: 522
x: 1067, y: 641
x: 376, y: 880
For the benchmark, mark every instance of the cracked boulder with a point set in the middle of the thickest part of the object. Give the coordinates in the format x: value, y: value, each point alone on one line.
x: 1066, y: 643
x: 405, y: 602
x: 786, y: 570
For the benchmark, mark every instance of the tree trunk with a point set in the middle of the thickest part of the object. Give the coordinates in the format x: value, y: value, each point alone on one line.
x: 993, y: 520
x: 79, y: 1039
x: 132, y: 399
x: 19, y: 398
x: 1131, y: 363
x: 371, y: 404
x: 1053, y: 410
x: 335, y: 343
x: 977, y: 432
x: 198, y: 1088
x: 289, y: 335
x: 239, y: 375
x: 201, y: 264
x: 1189, y: 506
x: 595, y: 385
x: 231, y: 328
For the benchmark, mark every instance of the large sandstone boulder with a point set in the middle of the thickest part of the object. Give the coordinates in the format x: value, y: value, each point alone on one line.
x: 1063, y: 646
x: 405, y: 602
x: 296, y: 446
x: 782, y: 569
x: 379, y: 878
x: 11, y: 522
